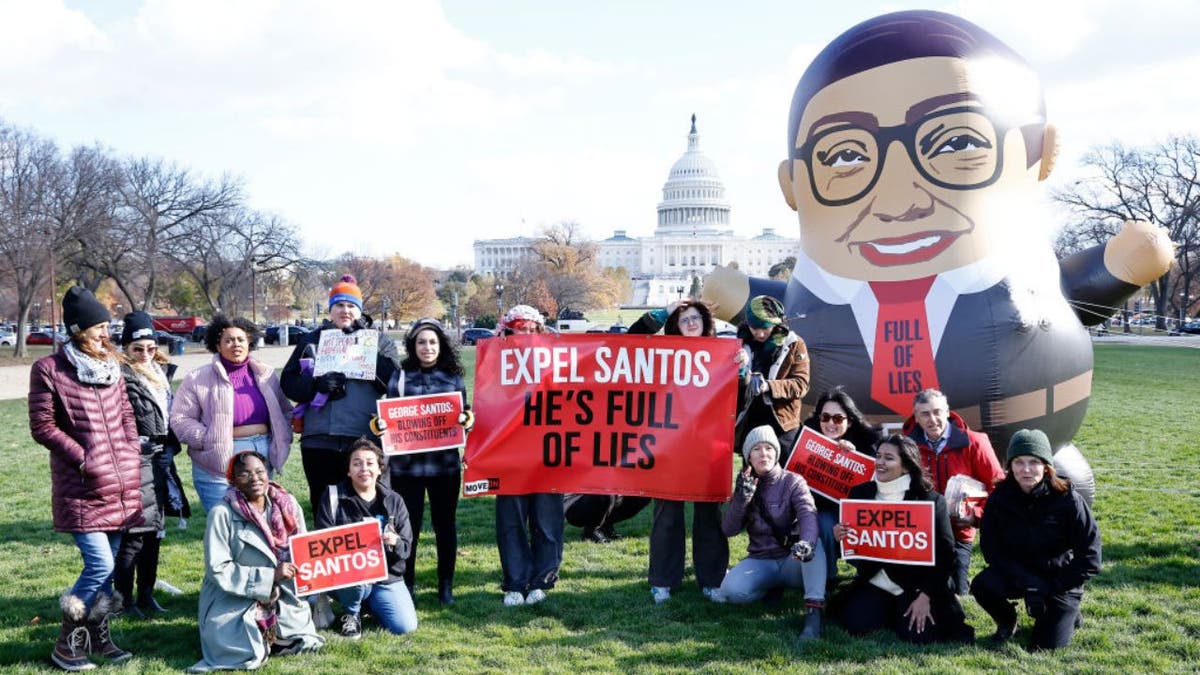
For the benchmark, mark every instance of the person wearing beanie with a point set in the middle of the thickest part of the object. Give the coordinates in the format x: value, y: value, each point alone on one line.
x: 79, y: 411
x: 776, y: 510
x: 334, y: 410
x: 915, y: 602
x: 776, y: 379
x: 147, y: 378
x: 233, y: 404
x: 529, y: 528
x: 1040, y: 543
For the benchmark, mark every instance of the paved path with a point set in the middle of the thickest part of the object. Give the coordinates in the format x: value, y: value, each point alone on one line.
x: 14, y: 380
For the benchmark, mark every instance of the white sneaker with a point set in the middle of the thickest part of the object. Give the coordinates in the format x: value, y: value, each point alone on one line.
x: 713, y: 593
x: 660, y: 594
x: 513, y: 599
x: 535, y: 596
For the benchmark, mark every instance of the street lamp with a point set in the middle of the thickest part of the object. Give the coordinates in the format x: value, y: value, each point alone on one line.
x: 1183, y: 305
x: 499, y: 300
x: 37, y: 314
x: 457, y: 323
x: 386, y: 304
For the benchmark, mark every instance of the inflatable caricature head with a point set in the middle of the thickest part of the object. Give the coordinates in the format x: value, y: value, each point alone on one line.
x: 910, y: 137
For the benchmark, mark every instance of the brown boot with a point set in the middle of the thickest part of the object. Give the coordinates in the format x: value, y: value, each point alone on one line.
x: 98, y: 628
x: 71, y: 650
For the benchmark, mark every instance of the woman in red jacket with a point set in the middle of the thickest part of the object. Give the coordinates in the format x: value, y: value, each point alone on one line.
x: 79, y: 411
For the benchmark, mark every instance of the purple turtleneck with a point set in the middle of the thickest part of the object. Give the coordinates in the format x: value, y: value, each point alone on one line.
x: 249, y: 406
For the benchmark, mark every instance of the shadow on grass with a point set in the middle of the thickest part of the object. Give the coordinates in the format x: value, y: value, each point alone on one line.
x: 1149, y: 563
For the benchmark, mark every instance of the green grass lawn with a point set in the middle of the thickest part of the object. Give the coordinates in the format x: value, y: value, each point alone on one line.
x: 1142, y: 612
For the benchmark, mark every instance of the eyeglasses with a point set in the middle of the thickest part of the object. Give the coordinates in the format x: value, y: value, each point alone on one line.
x: 836, y: 419
x: 958, y: 148
x: 248, y: 474
x: 144, y: 350
x: 691, y: 318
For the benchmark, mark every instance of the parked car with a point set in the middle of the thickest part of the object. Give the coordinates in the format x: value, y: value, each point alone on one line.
x: 199, y: 332
x: 294, y: 333
x: 1191, y: 327
x: 8, y: 338
x: 44, y: 337
x: 472, y: 336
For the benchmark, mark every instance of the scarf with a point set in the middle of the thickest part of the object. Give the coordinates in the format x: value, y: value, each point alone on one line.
x: 277, y: 522
x: 893, y: 490
x: 91, y: 370
x: 151, y: 374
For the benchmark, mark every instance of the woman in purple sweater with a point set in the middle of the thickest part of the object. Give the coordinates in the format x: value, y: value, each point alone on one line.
x: 777, y: 511
x: 234, y: 404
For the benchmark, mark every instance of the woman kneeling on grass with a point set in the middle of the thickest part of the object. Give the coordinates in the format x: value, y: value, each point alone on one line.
x: 777, y: 511
x: 363, y: 497
x: 1040, y: 543
x: 914, y: 601
x: 248, y: 606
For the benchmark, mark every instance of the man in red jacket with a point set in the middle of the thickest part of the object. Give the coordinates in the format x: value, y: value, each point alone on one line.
x: 949, y: 447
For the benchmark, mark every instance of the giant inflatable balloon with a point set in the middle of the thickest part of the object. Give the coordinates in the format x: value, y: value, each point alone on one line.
x: 915, y: 145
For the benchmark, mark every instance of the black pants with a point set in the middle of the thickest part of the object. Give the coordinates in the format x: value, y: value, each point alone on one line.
x: 138, y: 554
x: 443, y: 512
x: 710, y: 548
x: 1052, y: 630
x: 323, y: 467
x: 596, y: 511
x: 867, y: 608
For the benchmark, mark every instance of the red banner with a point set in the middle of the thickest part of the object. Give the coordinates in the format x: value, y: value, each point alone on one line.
x: 891, y: 532
x: 421, y: 423
x: 829, y: 469
x: 604, y: 414
x: 337, y: 557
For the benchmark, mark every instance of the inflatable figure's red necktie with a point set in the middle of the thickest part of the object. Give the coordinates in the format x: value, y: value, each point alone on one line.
x: 903, y: 347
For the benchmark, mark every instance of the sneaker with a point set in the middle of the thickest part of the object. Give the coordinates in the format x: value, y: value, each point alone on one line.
x: 612, y: 534
x: 594, y: 535
x: 351, y: 626
x: 713, y: 593
x: 535, y: 596
x: 513, y: 599
x: 660, y: 594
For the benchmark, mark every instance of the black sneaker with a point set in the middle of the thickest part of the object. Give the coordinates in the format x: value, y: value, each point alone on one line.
x: 608, y: 531
x: 351, y: 626
x: 594, y: 535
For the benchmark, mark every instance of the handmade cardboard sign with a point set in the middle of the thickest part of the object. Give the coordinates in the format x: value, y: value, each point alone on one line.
x: 829, y: 469
x: 337, y: 557
x: 421, y: 423
x: 352, y: 354
x: 603, y: 414
x: 891, y: 532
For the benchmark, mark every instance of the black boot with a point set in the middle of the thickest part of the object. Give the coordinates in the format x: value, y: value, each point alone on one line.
x: 71, y: 650
x: 812, y: 624
x: 446, y: 591
x: 99, y: 629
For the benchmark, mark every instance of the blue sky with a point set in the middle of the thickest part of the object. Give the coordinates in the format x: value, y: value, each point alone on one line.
x: 417, y: 126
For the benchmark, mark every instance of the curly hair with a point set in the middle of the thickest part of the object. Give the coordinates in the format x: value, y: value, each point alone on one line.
x: 671, y: 327
x: 447, y: 359
x: 218, y: 324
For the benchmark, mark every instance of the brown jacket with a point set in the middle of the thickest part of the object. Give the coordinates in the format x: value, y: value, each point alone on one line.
x: 94, y: 449
x: 788, y: 381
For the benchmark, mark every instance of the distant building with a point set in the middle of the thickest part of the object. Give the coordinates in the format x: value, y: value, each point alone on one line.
x: 692, y: 236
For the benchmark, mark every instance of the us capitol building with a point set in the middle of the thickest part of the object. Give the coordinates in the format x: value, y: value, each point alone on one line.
x: 693, y: 235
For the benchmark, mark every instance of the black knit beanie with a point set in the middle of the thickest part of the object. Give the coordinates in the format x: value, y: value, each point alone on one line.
x: 81, y: 310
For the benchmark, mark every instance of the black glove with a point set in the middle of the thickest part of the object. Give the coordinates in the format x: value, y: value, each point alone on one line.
x: 803, y: 551
x: 333, y: 384
x: 746, y: 485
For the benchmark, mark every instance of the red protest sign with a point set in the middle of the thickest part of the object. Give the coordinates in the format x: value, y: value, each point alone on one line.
x: 829, y: 469
x: 421, y: 423
x: 891, y: 532
x: 603, y: 414
x: 337, y: 557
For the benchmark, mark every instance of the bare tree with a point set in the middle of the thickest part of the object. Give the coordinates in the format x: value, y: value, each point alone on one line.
x: 565, y: 266
x: 1160, y: 185
x: 28, y: 237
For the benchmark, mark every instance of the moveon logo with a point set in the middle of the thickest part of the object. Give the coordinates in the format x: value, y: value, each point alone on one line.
x: 478, y: 487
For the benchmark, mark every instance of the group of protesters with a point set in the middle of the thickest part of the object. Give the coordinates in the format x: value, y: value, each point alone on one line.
x: 113, y: 425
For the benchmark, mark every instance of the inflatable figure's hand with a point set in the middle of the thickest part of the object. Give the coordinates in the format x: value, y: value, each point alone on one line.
x: 1140, y: 253
x: 726, y: 291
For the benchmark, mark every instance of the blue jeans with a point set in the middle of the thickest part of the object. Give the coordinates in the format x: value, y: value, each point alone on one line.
x: 99, y: 552
x: 825, y: 521
x: 750, y: 579
x: 529, y: 535
x: 390, y: 603
x: 211, y: 487
x: 960, y: 582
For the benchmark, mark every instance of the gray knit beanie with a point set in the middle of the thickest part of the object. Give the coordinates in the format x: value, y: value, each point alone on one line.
x: 760, y: 435
x: 1030, y: 442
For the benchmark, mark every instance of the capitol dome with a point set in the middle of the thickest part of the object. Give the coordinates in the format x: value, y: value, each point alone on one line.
x: 694, y: 196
